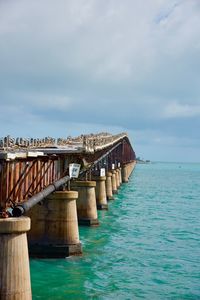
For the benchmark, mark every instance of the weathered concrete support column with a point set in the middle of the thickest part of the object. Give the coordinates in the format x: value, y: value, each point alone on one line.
x: 109, y: 186
x: 128, y: 170
x: 114, y: 184
x: 133, y: 164
x: 86, y: 204
x: 125, y: 174
x: 130, y: 167
x: 58, y: 235
x: 101, y: 192
x: 14, y: 261
x: 117, y: 178
x: 120, y: 175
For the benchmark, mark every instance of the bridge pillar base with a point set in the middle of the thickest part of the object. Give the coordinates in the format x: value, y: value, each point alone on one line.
x: 127, y: 169
x: 114, y: 182
x: 117, y: 178
x: 132, y: 167
x: 115, y: 192
x: 92, y: 222
x: 86, y: 203
x: 120, y: 175
x: 57, y: 234
x: 109, y: 192
x: 101, y: 198
x: 110, y: 198
x: 125, y: 181
x: 55, y: 251
x: 102, y: 206
x: 14, y: 260
x: 125, y: 174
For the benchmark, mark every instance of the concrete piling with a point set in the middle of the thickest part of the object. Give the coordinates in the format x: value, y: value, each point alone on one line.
x: 125, y: 174
x: 120, y: 176
x: 117, y: 179
x: 109, y: 192
x: 58, y: 235
x: 14, y: 261
x: 101, y: 192
x: 127, y: 170
x: 114, y: 183
x: 86, y: 203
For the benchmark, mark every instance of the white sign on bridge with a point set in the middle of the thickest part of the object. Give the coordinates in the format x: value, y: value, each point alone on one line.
x: 74, y: 170
x: 102, y: 172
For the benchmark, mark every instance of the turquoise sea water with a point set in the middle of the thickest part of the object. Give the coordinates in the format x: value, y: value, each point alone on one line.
x: 147, y: 246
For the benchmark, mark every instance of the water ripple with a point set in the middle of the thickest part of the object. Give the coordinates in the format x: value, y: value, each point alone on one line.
x: 147, y: 246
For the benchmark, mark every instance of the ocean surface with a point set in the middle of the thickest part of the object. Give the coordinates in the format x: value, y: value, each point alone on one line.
x: 146, y: 247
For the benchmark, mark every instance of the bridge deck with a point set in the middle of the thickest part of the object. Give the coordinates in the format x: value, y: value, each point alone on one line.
x: 26, y: 169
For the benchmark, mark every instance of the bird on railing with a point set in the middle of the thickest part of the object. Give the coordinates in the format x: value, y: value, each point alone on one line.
x: 91, y: 142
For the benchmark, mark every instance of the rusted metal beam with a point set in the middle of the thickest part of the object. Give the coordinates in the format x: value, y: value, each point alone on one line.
x: 22, y: 179
x: 22, y: 208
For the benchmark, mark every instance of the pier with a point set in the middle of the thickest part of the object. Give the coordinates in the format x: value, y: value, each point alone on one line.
x: 48, y: 188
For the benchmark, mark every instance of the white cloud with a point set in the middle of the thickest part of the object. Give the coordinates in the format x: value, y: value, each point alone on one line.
x: 177, y: 110
x: 114, y: 63
x: 106, y: 39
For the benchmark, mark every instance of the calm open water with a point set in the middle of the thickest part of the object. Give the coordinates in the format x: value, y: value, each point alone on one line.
x: 147, y: 246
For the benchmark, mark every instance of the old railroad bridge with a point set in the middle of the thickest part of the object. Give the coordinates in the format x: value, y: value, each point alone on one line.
x: 36, y: 183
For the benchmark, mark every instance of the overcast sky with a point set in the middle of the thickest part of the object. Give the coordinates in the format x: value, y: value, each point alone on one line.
x: 69, y: 67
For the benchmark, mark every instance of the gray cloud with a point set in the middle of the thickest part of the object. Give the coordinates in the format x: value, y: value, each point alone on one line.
x: 76, y: 66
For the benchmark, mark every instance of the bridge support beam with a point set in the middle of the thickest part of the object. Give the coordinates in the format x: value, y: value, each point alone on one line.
x: 131, y: 167
x: 120, y: 176
x: 109, y: 186
x: 114, y: 183
x: 125, y: 174
x: 58, y: 235
x: 14, y: 260
x: 86, y: 204
x: 101, y: 192
x: 117, y: 178
x: 127, y: 170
